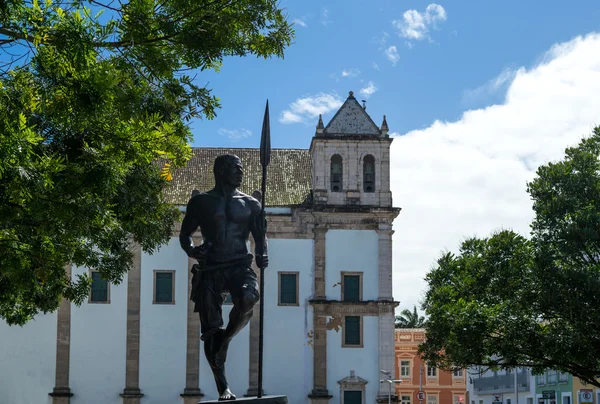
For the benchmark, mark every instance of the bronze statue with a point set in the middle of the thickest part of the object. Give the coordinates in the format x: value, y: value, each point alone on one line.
x: 226, y: 217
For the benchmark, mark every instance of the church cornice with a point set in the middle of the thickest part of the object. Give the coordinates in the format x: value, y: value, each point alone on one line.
x: 367, y: 307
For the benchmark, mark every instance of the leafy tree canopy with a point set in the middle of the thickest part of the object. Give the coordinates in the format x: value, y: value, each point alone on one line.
x: 94, y: 101
x: 410, y: 319
x: 507, y: 301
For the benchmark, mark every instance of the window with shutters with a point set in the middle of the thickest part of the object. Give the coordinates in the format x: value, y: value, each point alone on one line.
x: 337, y: 172
x: 353, y: 397
x: 432, y: 398
x: 405, y: 399
x: 351, y: 286
x: 100, y: 292
x: 288, y: 289
x: 352, y: 332
x: 369, y: 173
x: 431, y: 371
x: 164, y: 287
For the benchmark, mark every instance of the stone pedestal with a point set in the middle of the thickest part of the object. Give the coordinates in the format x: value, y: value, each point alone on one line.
x: 254, y: 400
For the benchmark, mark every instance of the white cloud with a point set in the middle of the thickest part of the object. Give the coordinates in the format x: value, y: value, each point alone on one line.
x: 235, y: 134
x: 369, y: 90
x: 493, y: 86
x: 392, y: 54
x: 325, y: 16
x: 375, y: 66
x: 459, y: 179
x: 416, y: 25
x: 350, y: 72
x: 300, y: 22
x: 309, y: 108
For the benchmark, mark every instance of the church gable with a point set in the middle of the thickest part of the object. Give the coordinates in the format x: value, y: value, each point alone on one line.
x: 351, y: 119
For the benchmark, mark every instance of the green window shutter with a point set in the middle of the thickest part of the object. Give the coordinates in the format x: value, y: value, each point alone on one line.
x: 352, y: 331
x: 164, y: 287
x: 352, y: 397
x: 99, y: 288
x: 351, y: 288
x: 288, y: 289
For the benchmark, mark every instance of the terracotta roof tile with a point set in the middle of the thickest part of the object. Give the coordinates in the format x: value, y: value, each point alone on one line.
x: 289, y: 175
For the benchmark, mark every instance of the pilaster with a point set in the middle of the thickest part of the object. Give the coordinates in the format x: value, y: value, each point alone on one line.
x: 385, y: 261
x: 61, y: 394
x: 131, y: 393
x: 192, y: 393
x: 319, y: 393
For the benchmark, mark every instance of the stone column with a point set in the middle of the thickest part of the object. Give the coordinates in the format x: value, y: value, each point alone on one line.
x: 319, y: 393
x: 253, y: 347
x: 192, y: 393
x: 386, y: 346
x: 385, y: 261
x: 132, y: 394
x: 386, y: 305
x: 61, y: 394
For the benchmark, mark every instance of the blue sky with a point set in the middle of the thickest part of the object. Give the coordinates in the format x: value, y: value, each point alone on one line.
x: 477, y: 95
x: 450, y: 68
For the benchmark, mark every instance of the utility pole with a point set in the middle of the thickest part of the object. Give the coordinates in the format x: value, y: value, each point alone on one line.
x: 421, y: 380
x: 390, y: 381
x: 516, y: 388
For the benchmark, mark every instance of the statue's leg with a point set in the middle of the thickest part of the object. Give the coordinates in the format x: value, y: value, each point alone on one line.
x: 243, y: 287
x: 209, y: 300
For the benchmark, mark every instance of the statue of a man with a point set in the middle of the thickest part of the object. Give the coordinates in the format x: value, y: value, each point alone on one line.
x: 226, y: 217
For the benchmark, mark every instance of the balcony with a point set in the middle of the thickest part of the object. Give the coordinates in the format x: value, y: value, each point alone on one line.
x: 501, y: 383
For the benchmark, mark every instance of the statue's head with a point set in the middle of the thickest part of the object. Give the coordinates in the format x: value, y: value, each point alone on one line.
x: 228, y: 170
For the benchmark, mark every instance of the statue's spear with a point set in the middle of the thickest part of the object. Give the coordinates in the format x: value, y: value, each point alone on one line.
x: 265, y: 159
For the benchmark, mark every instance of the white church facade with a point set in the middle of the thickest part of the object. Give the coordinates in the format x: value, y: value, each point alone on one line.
x: 329, y: 309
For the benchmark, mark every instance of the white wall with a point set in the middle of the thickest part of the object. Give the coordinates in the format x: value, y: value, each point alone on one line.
x: 352, y: 250
x: 288, y: 355
x: 27, y: 361
x: 364, y: 361
x: 163, y: 328
x: 98, y: 336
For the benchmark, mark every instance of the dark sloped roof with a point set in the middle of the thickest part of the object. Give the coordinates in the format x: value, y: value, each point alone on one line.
x: 289, y: 175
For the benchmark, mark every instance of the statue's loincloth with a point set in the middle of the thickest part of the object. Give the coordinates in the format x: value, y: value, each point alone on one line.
x: 211, y: 283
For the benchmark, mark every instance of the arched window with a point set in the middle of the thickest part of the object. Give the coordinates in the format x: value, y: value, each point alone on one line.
x: 369, y: 173
x: 337, y: 172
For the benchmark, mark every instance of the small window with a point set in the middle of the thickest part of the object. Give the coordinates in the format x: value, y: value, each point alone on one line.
x: 551, y: 377
x: 563, y: 377
x: 164, y: 287
x: 508, y: 401
x: 432, y: 398
x: 352, y: 397
x: 540, y: 380
x: 100, y: 292
x: 431, y: 371
x: 405, y: 399
x: 457, y: 373
x: 404, y: 369
x: 351, y: 287
x: 369, y: 173
x: 337, y: 172
x: 288, y: 289
x: 352, y: 331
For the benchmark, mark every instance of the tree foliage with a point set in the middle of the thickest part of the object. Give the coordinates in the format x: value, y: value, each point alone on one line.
x: 94, y: 104
x: 410, y: 319
x: 507, y: 301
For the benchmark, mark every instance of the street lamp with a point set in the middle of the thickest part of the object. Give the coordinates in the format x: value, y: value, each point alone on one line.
x: 390, y: 381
